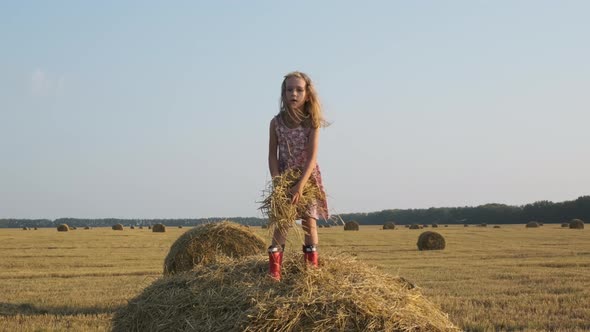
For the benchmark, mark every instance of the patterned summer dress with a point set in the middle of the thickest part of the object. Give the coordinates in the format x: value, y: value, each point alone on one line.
x: 293, y: 154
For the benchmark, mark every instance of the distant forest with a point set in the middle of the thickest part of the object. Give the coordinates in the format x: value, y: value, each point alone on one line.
x: 541, y: 211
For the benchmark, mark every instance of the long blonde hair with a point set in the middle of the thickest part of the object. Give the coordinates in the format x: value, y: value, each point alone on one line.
x: 311, y: 107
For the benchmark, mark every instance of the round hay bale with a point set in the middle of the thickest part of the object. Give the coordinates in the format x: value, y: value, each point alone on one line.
x: 434, y: 225
x: 131, y: 227
x: 236, y: 295
x: 35, y: 228
x: 63, y: 228
x: 576, y: 224
x: 532, y: 224
x: 483, y: 225
x: 351, y: 226
x: 407, y: 226
x: 140, y: 227
x: 179, y: 226
x: 149, y: 227
x: 496, y: 226
x: 25, y: 229
x: 446, y: 225
x: 431, y: 241
x: 414, y: 226
x: 466, y: 225
x: 87, y: 227
x: 389, y: 225
x: 425, y: 226
x: 159, y: 228
x: 204, y: 244
x: 565, y: 224
x: 117, y: 227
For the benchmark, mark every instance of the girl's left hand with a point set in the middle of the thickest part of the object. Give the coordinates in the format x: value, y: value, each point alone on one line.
x: 296, y: 192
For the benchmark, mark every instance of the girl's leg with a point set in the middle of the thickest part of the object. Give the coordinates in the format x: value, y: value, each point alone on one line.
x: 311, y: 241
x: 275, y: 253
x: 311, y: 231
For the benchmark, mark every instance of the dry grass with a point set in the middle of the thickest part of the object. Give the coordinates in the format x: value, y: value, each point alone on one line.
x: 205, y: 244
x: 236, y: 295
x: 486, y: 279
x: 277, y: 205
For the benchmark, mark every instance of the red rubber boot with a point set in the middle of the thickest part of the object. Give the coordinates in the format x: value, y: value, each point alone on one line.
x: 311, y: 255
x: 275, y: 259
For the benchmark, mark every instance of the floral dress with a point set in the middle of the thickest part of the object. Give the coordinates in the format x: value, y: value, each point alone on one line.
x: 292, y: 154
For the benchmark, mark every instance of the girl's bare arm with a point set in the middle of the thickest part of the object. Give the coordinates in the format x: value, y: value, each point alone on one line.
x: 273, y: 161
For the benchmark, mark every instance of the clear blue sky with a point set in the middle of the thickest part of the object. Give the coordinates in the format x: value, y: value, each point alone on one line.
x: 161, y: 109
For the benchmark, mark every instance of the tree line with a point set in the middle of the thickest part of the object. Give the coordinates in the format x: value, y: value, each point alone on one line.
x: 540, y: 211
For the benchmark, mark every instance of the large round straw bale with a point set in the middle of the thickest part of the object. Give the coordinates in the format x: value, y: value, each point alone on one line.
x: 532, y: 224
x: 389, y: 225
x: 63, y: 228
x: 204, y: 244
x: 159, y: 228
x: 414, y: 226
x: 237, y: 295
x: 351, y: 226
x: 431, y: 241
x: 117, y: 227
x: 577, y: 224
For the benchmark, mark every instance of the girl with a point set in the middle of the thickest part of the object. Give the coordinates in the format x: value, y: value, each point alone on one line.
x: 294, y: 137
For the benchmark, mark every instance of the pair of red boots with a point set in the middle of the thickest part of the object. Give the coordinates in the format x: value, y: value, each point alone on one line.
x: 275, y: 259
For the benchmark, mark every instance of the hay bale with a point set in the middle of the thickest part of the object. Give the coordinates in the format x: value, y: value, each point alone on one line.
x: 179, y: 226
x: 431, y: 241
x: 496, y: 226
x: 565, y: 224
x: 414, y: 226
x: 446, y: 225
x: 149, y: 227
x: 63, y: 228
x: 389, y: 225
x: 351, y: 226
x: 466, y: 225
x: 35, y: 228
x: 434, y: 225
x: 425, y: 226
x: 576, y: 224
x: 236, y: 295
x: 264, y: 226
x: 483, y: 225
x: 140, y: 227
x: 117, y: 227
x: 131, y: 227
x: 159, y: 228
x: 25, y: 229
x: 204, y: 244
x: 407, y: 226
x: 532, y: 224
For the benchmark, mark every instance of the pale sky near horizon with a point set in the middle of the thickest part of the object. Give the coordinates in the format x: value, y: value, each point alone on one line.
x: 161, y: 109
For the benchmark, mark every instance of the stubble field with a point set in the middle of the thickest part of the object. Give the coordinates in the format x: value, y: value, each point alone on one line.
x: 487, y: 279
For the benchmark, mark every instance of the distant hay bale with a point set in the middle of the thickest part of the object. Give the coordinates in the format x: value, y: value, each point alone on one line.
x: 414, y: 226
x: 117, y: 227
x: 466, y: 225
x: 204, y: 244
x: 565, y: 224
x: 540, y: 224
x: 140, y: 227
x: 87, y: 227
x: 407, y: 226
x: 264, y: 226
x: 131, y: 227
x: 25, y: 229
x: 532, y: 224
x: 389, y: 225
x: 351, y: 226
x: 434, y: 225
x: 179, y: 226
x: 576, y: 224
x: 159, y: 228
x: 35, y: 228
x: 425, y: 226
x: 483, y: 225
x: 431, y: 241
x: 236, y: 295
x: 63, y: 228
x: 496, y: 226
x: 149, y: 227
x: 446, y: 225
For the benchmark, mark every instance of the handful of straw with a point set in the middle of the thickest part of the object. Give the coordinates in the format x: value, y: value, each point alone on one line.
x: 277, y: 204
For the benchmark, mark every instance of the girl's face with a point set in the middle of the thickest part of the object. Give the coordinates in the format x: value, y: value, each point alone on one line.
x: 295, y: 95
